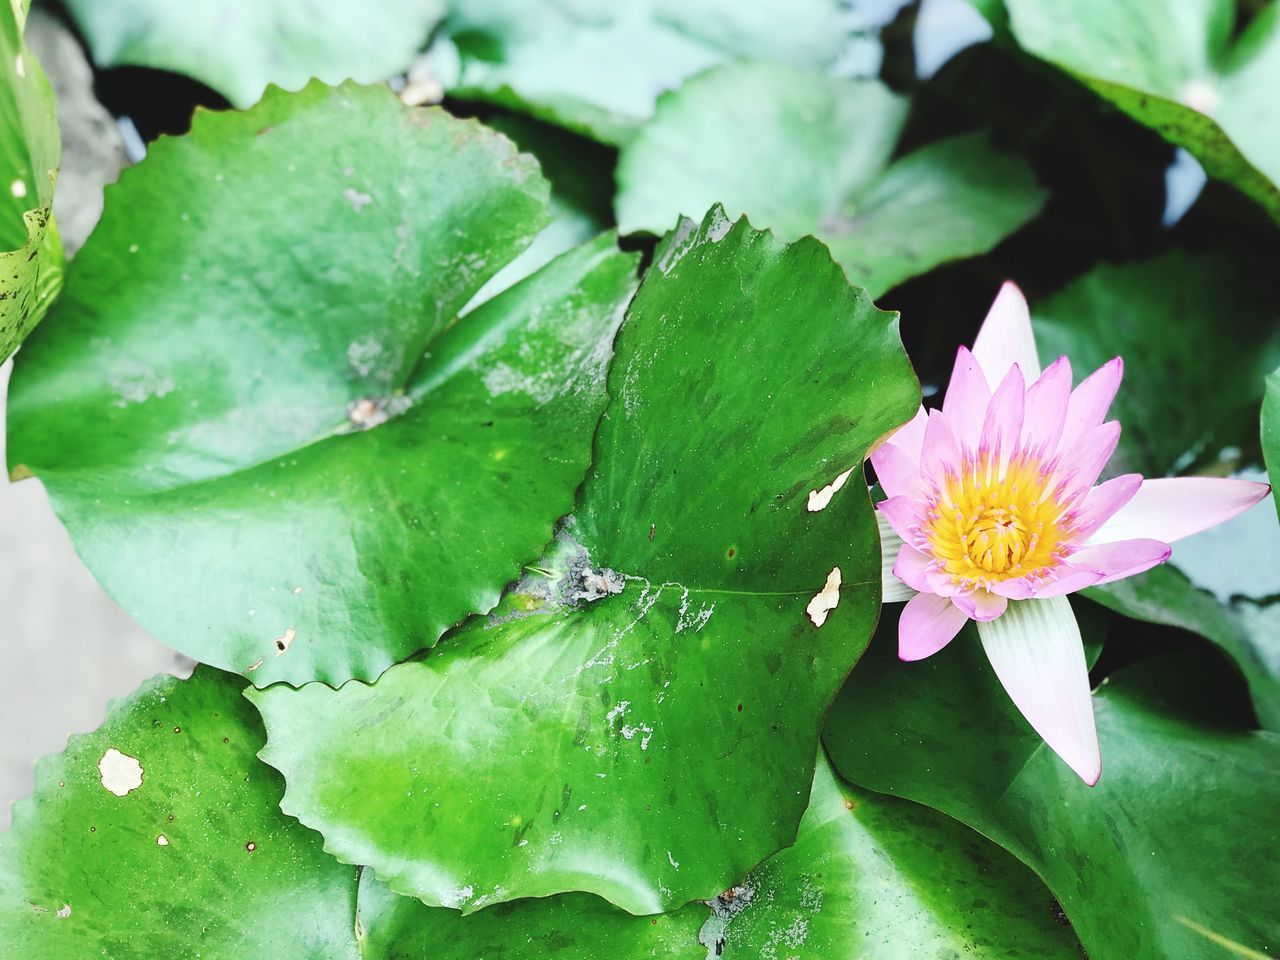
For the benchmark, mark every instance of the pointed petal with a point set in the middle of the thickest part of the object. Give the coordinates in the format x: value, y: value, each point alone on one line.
x: 903, y: 514
x: 980, y: 605
x: 1006, y: 337
x: 1169, y: 509
x: 1081, y: 465
x: 892, y: 588
x: 1036, y: 651
x: 1090, y: 402
x: 940, y: 455
x: 897, y: 471
x: 1002, y: 427
x: 1046, y: 411
x: 1066, y: 579
x: 1121, y: 559
x: 1102, y: 502
x: 967, y: 398
x: 910, y: 436
x: 927, y: 625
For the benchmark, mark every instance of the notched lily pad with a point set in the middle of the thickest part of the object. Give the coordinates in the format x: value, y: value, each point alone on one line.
x: 256, y: 414
x: 643, y: 726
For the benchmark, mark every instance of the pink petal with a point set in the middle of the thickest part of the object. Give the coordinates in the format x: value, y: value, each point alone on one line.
x: 904, y: 515
x: 1121, y: 559
x: 1169, y: 509
x: 1002, y: 428
x: 1036, y: 651
x: 967, y: 398
x: 1064, y: 580
x: 911, y: 567
x: 897, y: 472
x: 1102, y: 502
x: 940, y: 455
x: 1080, y: 466
x: 1090, y: 401
x: 1047, y: 407
x: 927, y: 625
x: 980, y: 605
x: 1006, y: 338
x: 910, y: 436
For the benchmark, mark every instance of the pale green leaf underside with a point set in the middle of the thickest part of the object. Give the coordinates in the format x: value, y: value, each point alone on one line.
x: 237, y: 47
x: 805, y: 153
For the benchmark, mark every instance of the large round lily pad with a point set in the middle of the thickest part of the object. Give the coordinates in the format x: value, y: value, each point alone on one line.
x: 639, y: 719
x: 256, y: 415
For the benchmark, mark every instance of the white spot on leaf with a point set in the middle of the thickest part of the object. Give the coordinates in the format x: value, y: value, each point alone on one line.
x: 120, y: 772
x: 282, y: 643
x: 18, y: 188
x: 818, y: 499
x: 64, y: 911
x: 162, y: 841
x: 357, y: 199
x: 825, y: 600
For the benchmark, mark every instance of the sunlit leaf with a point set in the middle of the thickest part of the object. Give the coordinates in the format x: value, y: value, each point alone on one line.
x: 643, y: 724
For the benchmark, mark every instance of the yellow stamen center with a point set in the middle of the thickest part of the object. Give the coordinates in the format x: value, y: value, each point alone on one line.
x: 987, y: 525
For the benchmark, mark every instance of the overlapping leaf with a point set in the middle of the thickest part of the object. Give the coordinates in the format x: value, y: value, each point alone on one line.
x: 597, y: 66
x: 195, y: 857
x: 1175, y: 66
x: 1172, y: 847
x: 805, y: 153
x: 208, y: 411
x: 31, y: 260
x: 1271, y: 432
x: 874, y: 877
x: 237, y: 47
x: 643, y: 726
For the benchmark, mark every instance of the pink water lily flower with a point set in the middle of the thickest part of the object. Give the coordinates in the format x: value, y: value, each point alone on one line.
x: 996, y: 501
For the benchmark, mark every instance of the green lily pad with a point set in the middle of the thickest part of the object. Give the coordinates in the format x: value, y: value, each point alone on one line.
x: 875, y: 877
x: 237, y: 47
x: 596, y: 66
x: 195, y: 859
x: 1176, y: 66
x: 1173, y: 845
x: 639, y: 719
x: 819, y: 150
x: 31, y: 260
x: 1188, y: 392
x: 255, y: 415
x: 1271, y: 433
x: 1246, y: 630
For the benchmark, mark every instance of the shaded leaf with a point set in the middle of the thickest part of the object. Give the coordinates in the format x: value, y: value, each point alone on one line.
x: 1176, y: 66
x: 1190, y: 390
x: 31, y: 260
x: 1246, y: 630
x: 1271, y: 433
x: 597, y: 67
x: 872, y: 876
x: 1175, y: 831
x: 819, y: 150
x: 207, y: 413
x: 237, y: 47
x: 656, y: 700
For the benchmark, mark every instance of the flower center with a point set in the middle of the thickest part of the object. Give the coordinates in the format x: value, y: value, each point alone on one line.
x: 986, y: 525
